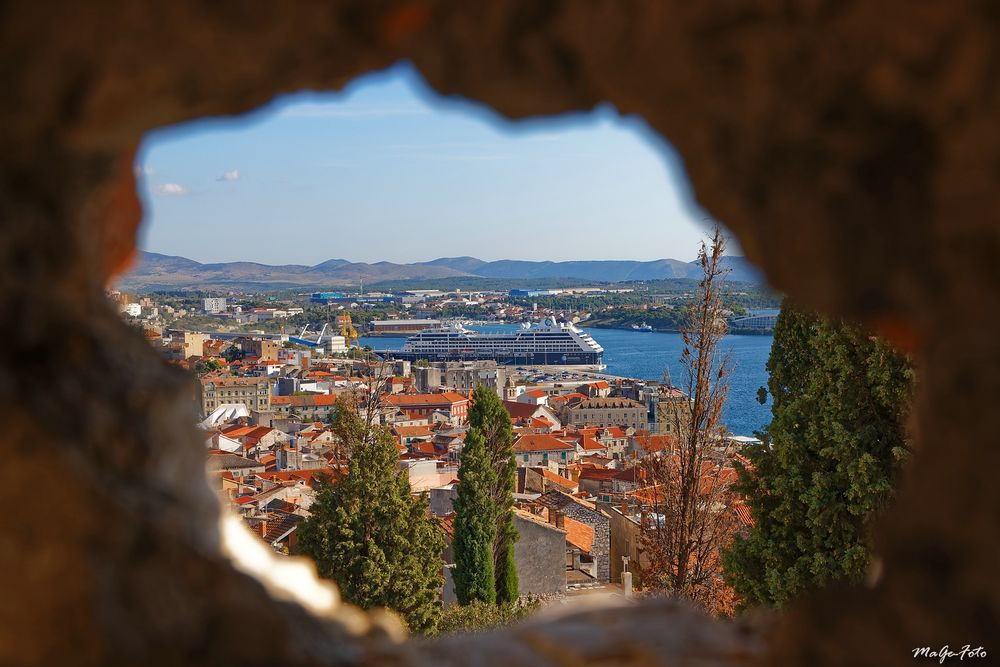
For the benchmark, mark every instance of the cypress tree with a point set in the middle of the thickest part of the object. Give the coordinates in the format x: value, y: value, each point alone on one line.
x: 475, y: 523
x: 491, y: 418
x: 829, y: 462
x: 379, y: 544
x: 507, y: 584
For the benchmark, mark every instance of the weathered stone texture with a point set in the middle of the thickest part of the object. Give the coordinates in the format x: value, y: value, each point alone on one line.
x: 540, y: 554
x: 853, y: 147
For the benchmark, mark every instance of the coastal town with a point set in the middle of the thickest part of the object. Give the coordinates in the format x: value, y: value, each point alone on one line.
x: 649, y: 306
x: 268, y: 401
x: 510, y: 334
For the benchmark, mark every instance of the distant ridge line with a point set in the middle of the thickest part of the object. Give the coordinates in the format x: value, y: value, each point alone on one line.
x: 175, y: 271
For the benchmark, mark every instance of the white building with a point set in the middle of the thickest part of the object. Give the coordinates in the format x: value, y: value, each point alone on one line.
x: 214, y: 305
x: 335, y: 344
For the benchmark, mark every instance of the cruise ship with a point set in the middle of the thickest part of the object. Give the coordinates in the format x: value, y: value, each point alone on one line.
x: 546, y: 343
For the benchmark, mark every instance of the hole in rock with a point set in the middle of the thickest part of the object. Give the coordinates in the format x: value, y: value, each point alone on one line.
x: 283, y: 249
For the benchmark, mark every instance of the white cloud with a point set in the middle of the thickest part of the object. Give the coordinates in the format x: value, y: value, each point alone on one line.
x: 143, y: 170
x: 231, y: 175
x: 170, y: 189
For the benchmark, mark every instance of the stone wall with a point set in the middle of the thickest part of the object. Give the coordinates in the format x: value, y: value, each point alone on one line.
x: 601, y: 549
x: 626, y: 540
x: 852, y: 147
x: 540, y: 555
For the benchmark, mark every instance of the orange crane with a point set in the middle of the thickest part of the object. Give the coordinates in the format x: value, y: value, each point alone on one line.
x: 347, y: 330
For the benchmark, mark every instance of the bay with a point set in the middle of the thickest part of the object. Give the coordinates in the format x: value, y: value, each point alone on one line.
x: 645, y: 356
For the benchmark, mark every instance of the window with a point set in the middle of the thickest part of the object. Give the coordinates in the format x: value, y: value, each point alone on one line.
x: 525, y: 458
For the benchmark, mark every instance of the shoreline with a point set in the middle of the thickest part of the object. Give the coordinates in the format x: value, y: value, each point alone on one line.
x: 734, y: 332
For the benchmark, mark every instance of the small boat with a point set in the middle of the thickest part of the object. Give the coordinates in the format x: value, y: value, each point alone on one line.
x: 642, y: 327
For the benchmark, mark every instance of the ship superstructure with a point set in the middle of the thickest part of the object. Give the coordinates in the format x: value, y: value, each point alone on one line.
x: 549, y: 343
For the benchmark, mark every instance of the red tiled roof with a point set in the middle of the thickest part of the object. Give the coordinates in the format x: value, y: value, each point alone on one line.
x: 413, y: 431
x: 579, y: 534
x: 304, y: 401
x: 448, y: 524
x: 566, y: 397
x: 444, y: 398
x: 540, y: 442
x: 743, y: 514
x: 307, y: 476
x: 649, y: 495
x: 655, y: 443
x: 598, y: 474
x: 522, y: 410
x: 558, y: 480
x: 423, y: 447
x: 747, y: 463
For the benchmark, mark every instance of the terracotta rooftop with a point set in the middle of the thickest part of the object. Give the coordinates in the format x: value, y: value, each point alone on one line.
x: 567, y: 485
x: 305, y: 400
x: 579, y: 534
x: 444, y: 398
x: 540, y: 442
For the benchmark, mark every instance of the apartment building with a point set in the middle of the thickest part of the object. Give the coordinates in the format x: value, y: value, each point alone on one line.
x: 264, y: 348
x: 460, y: 376
x: 253, y: 392
x: 605, y: 412
x: 213, y: 305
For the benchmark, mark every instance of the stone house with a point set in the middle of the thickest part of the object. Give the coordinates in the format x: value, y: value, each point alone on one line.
x: 542, y: 449
x: 539, y: 555
x: 604, y: 412
x: 560, y: 506
x: 626, y: 542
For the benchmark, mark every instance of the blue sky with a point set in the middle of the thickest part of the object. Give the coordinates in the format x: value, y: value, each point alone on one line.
x: 386, y: 170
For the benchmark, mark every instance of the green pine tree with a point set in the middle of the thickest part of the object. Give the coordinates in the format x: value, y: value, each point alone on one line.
x: 489, y: 415
x: 507, y: 584
x: 379, y: 544
x: 829, y: 462
x: 475, y: 523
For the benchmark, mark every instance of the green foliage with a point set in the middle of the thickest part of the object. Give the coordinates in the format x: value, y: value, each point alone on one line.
x: 380, y: 545
x: 507, y: 584
x: 833, y: 451
x: 205, y: 366
x: 481, y: 616
x: 475, y: 523
x: 491, y: 417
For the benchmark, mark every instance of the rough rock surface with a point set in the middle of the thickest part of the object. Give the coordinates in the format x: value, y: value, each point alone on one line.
x: 852, y: 146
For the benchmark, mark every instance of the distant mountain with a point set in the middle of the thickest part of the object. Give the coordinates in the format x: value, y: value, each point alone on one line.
x: 611, y: 271
x: 469, y: 265
x: 156, y: 271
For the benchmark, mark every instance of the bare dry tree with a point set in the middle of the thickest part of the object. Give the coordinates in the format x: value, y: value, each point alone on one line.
x: 688, y: 514
x: 360, y: 412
